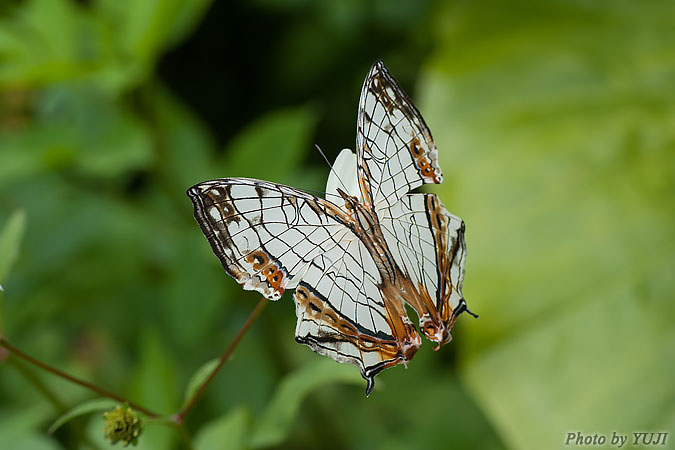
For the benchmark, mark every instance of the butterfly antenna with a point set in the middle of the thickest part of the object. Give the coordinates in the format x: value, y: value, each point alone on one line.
x: 331, y: 167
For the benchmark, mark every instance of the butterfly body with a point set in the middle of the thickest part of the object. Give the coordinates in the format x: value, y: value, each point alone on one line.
x: 357, y: 257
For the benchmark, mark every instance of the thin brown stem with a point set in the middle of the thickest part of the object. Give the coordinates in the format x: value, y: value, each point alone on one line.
x: 190, y: 403
x: 18, y: 353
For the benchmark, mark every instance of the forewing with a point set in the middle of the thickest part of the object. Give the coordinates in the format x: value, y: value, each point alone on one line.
x: 427, y: 243
x: 395, y: 150
x: 265, y: 234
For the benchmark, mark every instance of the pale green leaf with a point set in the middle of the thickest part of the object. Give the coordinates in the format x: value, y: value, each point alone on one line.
x: 186, y: 146
x: 272, y: 147
x: 224, y: 433
x: 18, y: 426
x: 36, y: 50
x: 34, y: 441
x: 76, y: 126
x: 10, y: 241
x: 554, y: 128
x: 87, y: 407
x: 154, y: 384
x: 277, y: 421
x: 149, y: 26
x: 186, y: 18
x: 193, y: 275
x: 199, y: 377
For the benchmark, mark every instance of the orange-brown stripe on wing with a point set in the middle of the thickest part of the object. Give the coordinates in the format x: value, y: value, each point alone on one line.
x: 336, y: 335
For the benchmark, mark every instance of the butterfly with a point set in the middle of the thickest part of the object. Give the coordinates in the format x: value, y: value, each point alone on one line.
x: 356, y: 257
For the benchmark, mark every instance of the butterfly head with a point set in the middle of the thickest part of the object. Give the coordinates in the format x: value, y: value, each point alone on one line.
x: 350, y: 200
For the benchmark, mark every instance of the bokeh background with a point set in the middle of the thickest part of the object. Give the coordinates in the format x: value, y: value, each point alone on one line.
x: 555, y: 122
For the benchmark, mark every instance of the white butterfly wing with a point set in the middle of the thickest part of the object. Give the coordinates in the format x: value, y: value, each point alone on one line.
x: 342, y: 314
x: 264, y: 233
x: 395, y: 150
x: 428, y: 244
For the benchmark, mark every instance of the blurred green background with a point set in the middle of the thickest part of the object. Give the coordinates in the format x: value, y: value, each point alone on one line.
x: 555, y: 122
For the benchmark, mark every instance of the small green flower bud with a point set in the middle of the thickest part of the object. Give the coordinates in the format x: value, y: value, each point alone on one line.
x: 122, y: 424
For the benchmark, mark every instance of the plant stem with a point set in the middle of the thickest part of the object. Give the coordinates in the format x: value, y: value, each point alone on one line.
x: 191, y: 401
x: 18, y: 353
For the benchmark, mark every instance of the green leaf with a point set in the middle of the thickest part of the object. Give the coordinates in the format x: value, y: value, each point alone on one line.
x: 105, y: 138
x: 276, y: 422
x: 272, y: 147
x: 113, y: 44
x: 35, y: 49
x: 186, y: 146
x: 199, y: 377
x: 154, y: 384
x: 10, y: 241
x: 76, y: 126
x: 187, y: 17
x: 150, y: 26
x: 34, y: 441
x: 193, y: 275
x: 87, y: 407
x: 22, y: 427
x: 556, y: 139
x: 227, y: 432
x: 84, y: 45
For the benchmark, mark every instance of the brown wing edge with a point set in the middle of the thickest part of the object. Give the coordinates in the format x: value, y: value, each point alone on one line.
x: 198, y: 202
